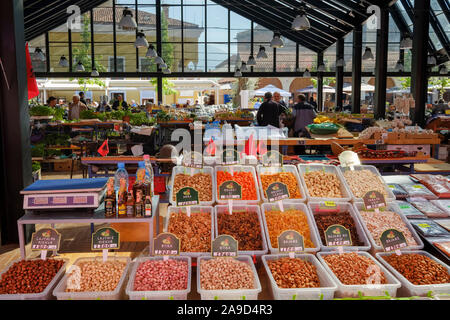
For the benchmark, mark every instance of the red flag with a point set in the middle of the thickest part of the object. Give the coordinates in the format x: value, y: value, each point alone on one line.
x: 250, y: 146
x: 262, y: 148
x: 211, y: 148
x: 33, y: 90
x: 104, y: 148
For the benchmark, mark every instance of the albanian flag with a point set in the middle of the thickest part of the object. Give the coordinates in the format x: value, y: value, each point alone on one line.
x: 104, y: 148
x: 211, y: 148
x: 262, y: 148
x: 33, y: 90
x: 250, y: 146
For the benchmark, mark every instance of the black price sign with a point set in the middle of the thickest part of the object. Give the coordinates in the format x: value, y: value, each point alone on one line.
x: 45, y: 239
x: 166, y: 244
x: 290, y: 241
x: 193, y: 160
x: 224, y: 246
x: 277, y: 191
x: 187, y: 196
x: 230, y: 190
x: 392, y: 239
x: 105, y: 238
x: 374, y: 200
x: 337, y: 235
x: 272, y: 158
x: 230, y: 157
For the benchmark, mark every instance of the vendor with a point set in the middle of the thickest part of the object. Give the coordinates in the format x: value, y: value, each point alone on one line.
x: 51, y: 102
x: 82, y: 100
x: 120, y: 104
x: 76, y: 107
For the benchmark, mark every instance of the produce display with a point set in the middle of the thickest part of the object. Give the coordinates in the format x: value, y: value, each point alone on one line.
x: 354, y: 269
x: 378, y: 222
x: 244, y: 226
x: 324, y: 128
x: 245, y: 179
x: 288, y: 178
x: 226, y: 274
x: 194, y: 232
x: 99, y: 275
x: 294, y: 273
x: 202, y: 182
x: 158, y: 275
x: 323, y: 184
x: 418, y: 269
x: 363, y: 181
x: 291, y: 219
x: 324, y: 220
x: 29, y: 276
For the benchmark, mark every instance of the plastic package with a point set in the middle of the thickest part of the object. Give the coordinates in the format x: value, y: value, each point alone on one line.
x: 192, y: 171
x: 324, y: 292
x: 397, y: 190
x: 408, y: 289
x: 418, y: 191
x: 408, y: 210
x: 121, y: 173
x: 429, y: 228
x: 157, y: 295
x: 274, y: 170
x: 438, y: 184
x: 429, y: 209
x: 442, y: 204
x: 232, y: 170
x: 445, y: 223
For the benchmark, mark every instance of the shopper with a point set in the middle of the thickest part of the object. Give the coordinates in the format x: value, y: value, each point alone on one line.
x: 313, y: 103
x: 76, y: 107
x: 269, y: 112
x: 51, y: 102
x: 282, y: 104
x: 104, y: 107
x: 82, y: 100
x: 120, y: 104
x: 304, y: 115
x: 440, y: 108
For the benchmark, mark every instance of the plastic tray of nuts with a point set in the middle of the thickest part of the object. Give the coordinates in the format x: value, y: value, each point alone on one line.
x: 233, y: 169
x: 158, y: 295
x: 192, y: 171
x: 409, y: 289
x: 240, y: 294
x: 273, y: 170
x: 374, y: 170
x: 303, y: 168
x: 61, y: 294
x: 44, y: 295
x: 193, y: 209
x: 287, y: 205
x: 344, y: 290
x: 342, y: 207
x: 324, y: 292
x: 224, y: 208
x: 391, y: 207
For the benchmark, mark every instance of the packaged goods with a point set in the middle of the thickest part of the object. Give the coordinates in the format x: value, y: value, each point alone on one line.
x: 409, y: 210
x: 158, y: 275
x: 429, y: 228
x: 324, y: 220
x: 244, y: 179
x: 202, y: 182
x: 363, y: 181
x: 443, y: 204
x: 288, y: 178
x: 294, y: 273
x: 443, y: 245
x: 226, y: 274
x: 397, y: 190
x: 438, y: 184
x: 323, y: 184
x: 429, y: 209
x: 445, y: 223
x: 418, y: 191
x: 418, y: 269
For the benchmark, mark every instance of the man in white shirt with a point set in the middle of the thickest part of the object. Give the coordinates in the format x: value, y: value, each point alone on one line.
x: 76, y: 107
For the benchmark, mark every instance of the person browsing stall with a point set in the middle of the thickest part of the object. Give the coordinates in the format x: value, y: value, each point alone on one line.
x: 76, y: 107
x: 269, y: 112
x: 120, y: 104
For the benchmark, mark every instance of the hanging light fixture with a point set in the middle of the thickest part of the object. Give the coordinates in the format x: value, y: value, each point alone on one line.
x: 443, y: 69
x: 163, y: 66
x: 127, y: 21
x: 301, y: 21
x: 368, y: 55
x: 243, y: 66
x: 166, y: 71
x: 340, y: 62
x: 276, y: 42
x: 159, y: 60
x: 151, y: 52
x: 141, y: 42
x: 351, y: 14
x: 251, y: 61
x: 306, y: 74
x: 38, y: 55
x: 399, y: 66
x: 321, y: 68
x: 63, y: 62
x: 80, y: 66
x: 94, y: 72
x: 261, y: 53
x: 431, y: 61
x: 406, y: 42
x: 238, y: 73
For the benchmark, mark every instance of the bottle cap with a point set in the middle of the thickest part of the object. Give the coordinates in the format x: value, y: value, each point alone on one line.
x: 146, y: 157
x: 141, y: 164
x: 121, y: 165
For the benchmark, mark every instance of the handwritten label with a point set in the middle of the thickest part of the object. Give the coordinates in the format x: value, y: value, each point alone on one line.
x: 392, y: 239
x: 277, y: 191
x: 187, y: 196
x: 230, y: 190
x: 290, y: 241
x: 374, y: 200
x: 224, y: 246
x: 166, y: 244
x: 337, y: 235
x: 230, y: 157
x: 45, y: 239
x: 105, y: 238
x: 272, y: 158
x: 193, y: 159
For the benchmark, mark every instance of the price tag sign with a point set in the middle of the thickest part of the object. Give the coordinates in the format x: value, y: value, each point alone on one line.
x: 105, y: 239
x: 45, y: 239
x: 374, y: 200
x: 224, y: 246
x: 230, y: 157
x: 230, y: 190
x: 166, y: 244
x: 392, y: 240
x: 290, y: 241
x: 187, y: 196
x: 330, y: 204
x: 272, y: 158
x: 277, y: 191
x: 193, y: 159
x: 417, y: 186
x: 337, y: 235
x: 379, y: 141
x: 301, y: 142
x: 327, y: 206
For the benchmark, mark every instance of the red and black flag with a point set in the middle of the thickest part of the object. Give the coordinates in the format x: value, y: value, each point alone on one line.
x: 33, y: 90
x: 104, y: 148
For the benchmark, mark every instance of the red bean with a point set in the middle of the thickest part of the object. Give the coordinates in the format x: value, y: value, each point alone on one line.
x: 159, y: 275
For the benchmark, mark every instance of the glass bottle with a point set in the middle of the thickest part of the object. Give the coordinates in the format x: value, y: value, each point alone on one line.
x: 148, y: 207
x: 130, y: 205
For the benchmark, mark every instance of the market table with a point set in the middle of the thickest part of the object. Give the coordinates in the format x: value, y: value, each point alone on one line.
x: 82, y: 217
x: 397, y: 163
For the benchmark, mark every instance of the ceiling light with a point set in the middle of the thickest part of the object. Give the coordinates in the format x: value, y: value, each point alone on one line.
x: 399, y: 66
x: 38, y: 55
x: 276, y: 42
x: 301, y: 21
x: 306, y: 74
x: 251, y: 61
x: 63, y: 62
x: 340, y: 62
x: 127, y: 21
x: 368, y: 55
x: 159, y: 60
x: 321, y: 68
x: 351, y: 14
x: 443, y: 69
x: 151, y: 53
x: 163, y: 66
x: 431, y: 61
x: 141, y: 42
x: 80, y: 66
x: 243, y: 66
x: 406, y: 43
x: 238, y: 73
x: 94, y: 72
x: 166, y: 71
x: 261, y: 53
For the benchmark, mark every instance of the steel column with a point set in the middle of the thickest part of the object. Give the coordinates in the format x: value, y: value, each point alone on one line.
x: 319, y: 83
x: 159, y: 50
x: 356, y: 69
x: 381, y: 65
x: 339, y: 73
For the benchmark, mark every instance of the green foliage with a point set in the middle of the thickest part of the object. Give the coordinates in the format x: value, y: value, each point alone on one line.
x: 58, y: 113
x: 163, y: 116
x: 441, y: 83
x: 35, y: 166
x: 167, y: 46
x: 117, y: 114
x: 167, y: 86
x: 88, y: 114
x: 56, y: 139
x: 140, y: 119
x: 38, y: 150
x: 406, y: 82
x: 40, y: 110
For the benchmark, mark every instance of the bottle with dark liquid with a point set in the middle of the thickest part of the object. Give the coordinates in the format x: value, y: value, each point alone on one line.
x: 139, y: 204
x: 122, y: 200
x: 110, y: 200
x: 130, y: 205
x: 148, y: 207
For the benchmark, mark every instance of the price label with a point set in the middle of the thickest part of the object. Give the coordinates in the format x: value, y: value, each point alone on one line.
x: 424, y: 225
x: 337, y: 235
x: 417, y: 186
x: 330, y: 204
x: 301, y: 142
x: 272, y: 158
x: 277, y: 191
x: 374, y: 200
x: 230, y: 190
x: 45, y: 239
x: 230, y: 157
x: 405, y: 206
x: 224, y: 246
x: 105, y: 239
x: 193, y: 160
x: 187, y: 196
x: 166, y: 244
x: 392, y: 239
x: 379, y: 141
x: 290, y: 241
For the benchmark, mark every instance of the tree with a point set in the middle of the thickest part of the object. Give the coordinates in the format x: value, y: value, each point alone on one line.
x: 406, y: 82
x: 441, y: 83
x: 242, y: 84
x: 326, y: 81
x: 167, y: 86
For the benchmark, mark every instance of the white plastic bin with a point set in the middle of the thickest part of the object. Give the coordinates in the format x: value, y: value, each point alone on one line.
x: 302, y: 168
x: 343, y: 207
x: 116, y: 294
x: 272, y: 170
x: 344, y: 290
x: 409, y: 289
x: 224, y: 208
x: 233, y: 169
x: 242, y: 294
x: 389, y: 198
x: 324, y: 292
x: 44, y: 295
x: 390, y: 207
x: 158, y: 295
x: 191, y: 171
x: 287, y: 205
x: 193, y: 209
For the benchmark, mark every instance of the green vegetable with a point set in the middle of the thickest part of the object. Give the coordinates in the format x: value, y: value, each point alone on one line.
x: 324, y: 128
x: 88, y: 114
x: 58, y: 113
x: 37, y: 150
x: 140, y: 118
x: 117, y: 115
x: 41, y: 111
x: 35, y: 166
